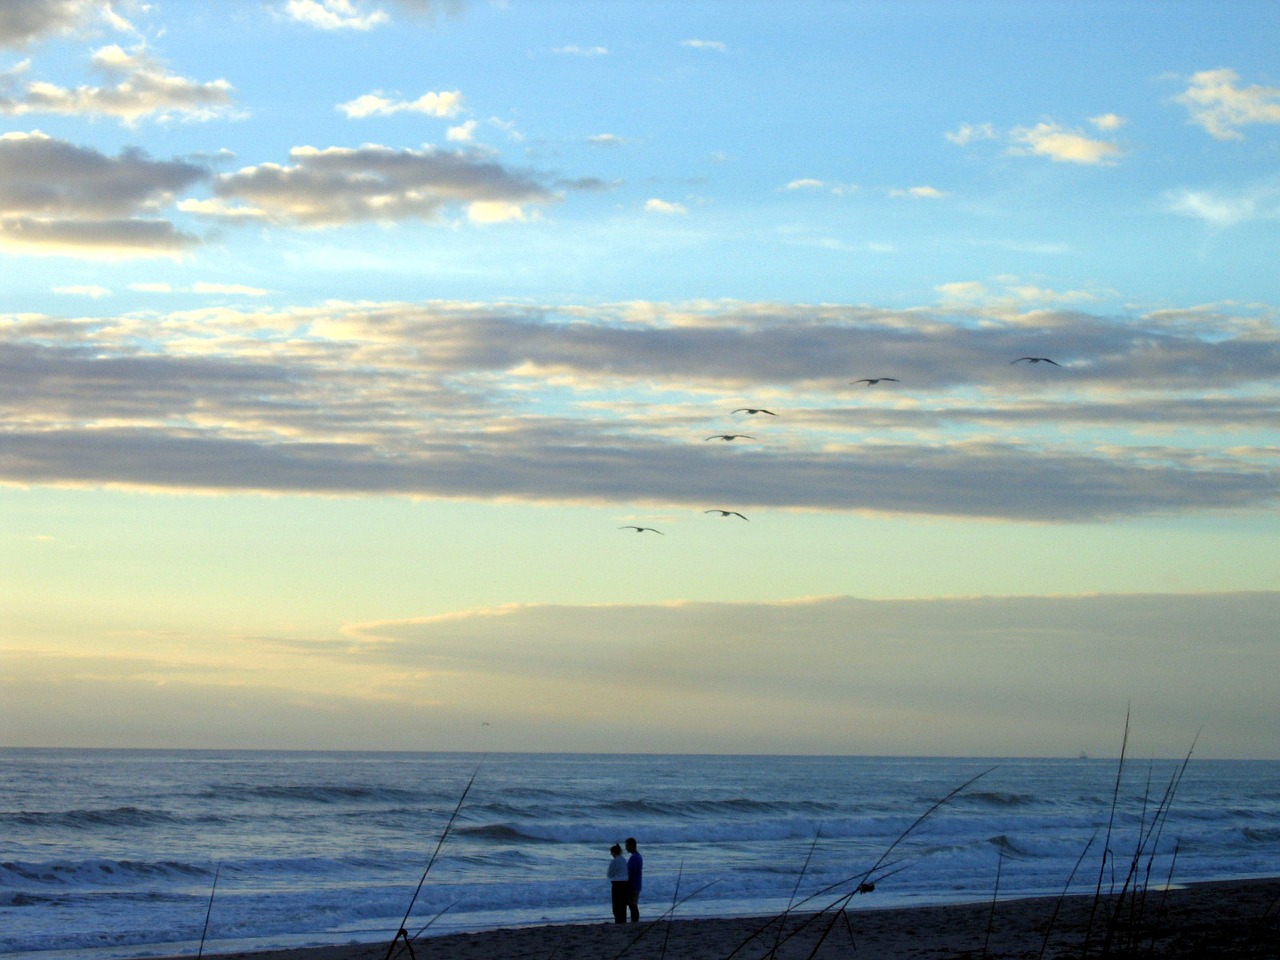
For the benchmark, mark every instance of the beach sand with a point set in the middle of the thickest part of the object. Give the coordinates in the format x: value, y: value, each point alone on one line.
x: 1226, y: 919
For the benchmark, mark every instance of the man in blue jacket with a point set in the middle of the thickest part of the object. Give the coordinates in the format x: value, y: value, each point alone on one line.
x: 635, y: 874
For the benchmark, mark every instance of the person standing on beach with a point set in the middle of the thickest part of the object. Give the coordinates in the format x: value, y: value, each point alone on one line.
x: 619, y: 883
x: 635, y: 874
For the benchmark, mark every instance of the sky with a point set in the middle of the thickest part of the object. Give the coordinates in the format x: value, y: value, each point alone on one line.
x: 345, y: 343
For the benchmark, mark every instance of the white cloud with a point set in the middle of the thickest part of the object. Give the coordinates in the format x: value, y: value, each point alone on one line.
x: 334, y: 15
x: 920, y: 193
x: 716, y: 45
x: 1218, y: 103
x: 1221, y: 210
x: 462, y: 133
x: 1058, y: 143
x: 88, y: 290
x: 654, y: 205
x: 236, y: 289
x: 444, y: 104
x: 605, y: 140
x: 811, y: 183
x: 967, y: 133
x: 576, y: 51
x: 1108, y: 121
x: 144, y: 90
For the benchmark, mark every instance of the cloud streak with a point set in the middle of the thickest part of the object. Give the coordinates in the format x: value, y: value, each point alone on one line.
x: 516, y: 402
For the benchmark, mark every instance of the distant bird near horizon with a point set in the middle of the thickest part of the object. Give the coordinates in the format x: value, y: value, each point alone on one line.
x: 755, y: 410
x: 730, y: 436
x: 872, y: 381
x: 632, y: 526
x: 726, y: 513
x: 1037, y: 360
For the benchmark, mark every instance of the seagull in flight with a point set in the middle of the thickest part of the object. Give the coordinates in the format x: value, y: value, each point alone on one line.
x: 730, y: 436
x: 755, y: 410
x: 1037, y: 360
x: 725, y: 513
x: 632, y: 526
x: 872, y: 381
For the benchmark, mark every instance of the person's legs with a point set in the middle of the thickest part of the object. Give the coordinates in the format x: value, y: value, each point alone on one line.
x: 633, y: 901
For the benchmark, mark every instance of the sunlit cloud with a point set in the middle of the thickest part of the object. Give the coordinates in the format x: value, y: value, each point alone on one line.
x: 919, y: 193
x: 56, y: 197
x: 716, y: 46
x: 444, y: 104
x: 1061, y: 144
x: 334, y: 14
x: 143, y: 90
x: 666, y: 207
x: 339, y: 185
x: 1221, y: 106
x: 433, y: 400
x: 92, y: 291
x: 824, y: 186
x: 1108, y: 121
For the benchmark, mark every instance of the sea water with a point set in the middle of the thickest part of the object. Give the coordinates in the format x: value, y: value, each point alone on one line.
x: 118, y: 853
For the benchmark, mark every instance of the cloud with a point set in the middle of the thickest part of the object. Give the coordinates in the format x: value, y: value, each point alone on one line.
x: 714, y: 45
x: 1222, y: 210
x: 144, y: 90
x: 84, y: 290
x: 920, y: 193
x: 462, y: 133
x: 1108, y: 121
x: 444, y: 400
x: 59, y: 198
x: 967, y: 133
x: 334, y: 15
x: 1063, y: 145
x: 666, y: 207
x: 340, y: 185
x: 1218, y: 103
x: 444, y: 104
x: 811, y: 183
x: 576, y: 51
x: 1165, y: 655
x: 605, y: 140
x: 22, y: 21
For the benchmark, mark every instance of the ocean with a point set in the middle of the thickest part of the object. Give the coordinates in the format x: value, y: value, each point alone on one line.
x: 129, y: 853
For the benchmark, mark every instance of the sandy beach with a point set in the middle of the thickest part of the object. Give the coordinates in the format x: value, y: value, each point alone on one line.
x: 1228, y: 919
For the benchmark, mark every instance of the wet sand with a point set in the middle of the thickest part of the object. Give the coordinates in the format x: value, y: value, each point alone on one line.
x: 1228, y: 919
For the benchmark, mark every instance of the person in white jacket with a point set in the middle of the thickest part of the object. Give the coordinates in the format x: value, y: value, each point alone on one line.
x: 619, y: 883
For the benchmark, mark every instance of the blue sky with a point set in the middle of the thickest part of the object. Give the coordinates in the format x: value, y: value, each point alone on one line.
x: 344, y: 338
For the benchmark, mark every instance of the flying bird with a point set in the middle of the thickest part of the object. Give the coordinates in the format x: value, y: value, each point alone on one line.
x: 632, y: 526
x: 1037, y: 360
x: 725, y: 513
x: 730, y: 436
x: 872, y: 381
x: 755, y: 410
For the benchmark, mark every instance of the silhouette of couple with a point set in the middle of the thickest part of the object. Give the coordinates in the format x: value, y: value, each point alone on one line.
x: 625, y: 880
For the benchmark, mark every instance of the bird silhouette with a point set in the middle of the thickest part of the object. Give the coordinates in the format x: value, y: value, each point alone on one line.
x: 872, y: 381
x: 725, y: 513
x: 1037, y: 360
x: 632, y: 526
x: 755, y: 410
x: 730, y: 436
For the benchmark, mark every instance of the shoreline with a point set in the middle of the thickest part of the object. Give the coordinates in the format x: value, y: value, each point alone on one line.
x: 1217, y: 918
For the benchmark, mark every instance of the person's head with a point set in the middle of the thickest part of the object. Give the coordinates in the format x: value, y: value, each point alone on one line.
x: 631, y: 844
x: 616, y: 850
